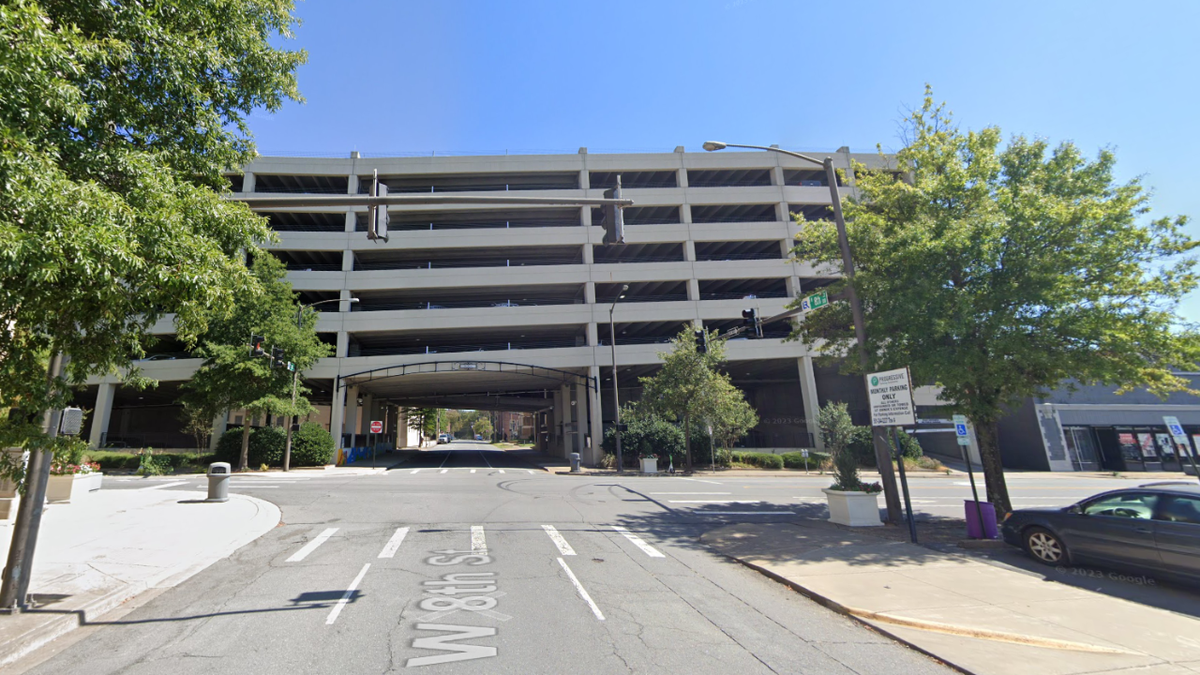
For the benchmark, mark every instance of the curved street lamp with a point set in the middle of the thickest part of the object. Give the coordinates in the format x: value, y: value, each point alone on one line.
x: 860, y: 328
x: 287, y: 447
x: 612, y: 334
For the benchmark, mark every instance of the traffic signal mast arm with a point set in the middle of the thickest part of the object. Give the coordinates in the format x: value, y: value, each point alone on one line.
x: 738, y: 330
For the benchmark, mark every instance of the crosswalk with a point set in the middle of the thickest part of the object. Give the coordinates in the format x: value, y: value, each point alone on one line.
x: 437, y: 470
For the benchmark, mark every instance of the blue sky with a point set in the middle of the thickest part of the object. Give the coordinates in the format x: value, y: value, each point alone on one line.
x: 390, y: 77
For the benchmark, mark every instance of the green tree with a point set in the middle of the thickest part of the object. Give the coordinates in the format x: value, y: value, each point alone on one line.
x: 422, y: 420
x: 117, y: 122
x: 999, y: 273
x: 231, y: 378
x: 691, y: 388
x: 483, y: 427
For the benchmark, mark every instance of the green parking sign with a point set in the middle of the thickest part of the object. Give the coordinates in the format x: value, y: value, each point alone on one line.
x: 815, y: 301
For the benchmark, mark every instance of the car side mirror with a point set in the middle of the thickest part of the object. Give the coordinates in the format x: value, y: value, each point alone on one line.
x: 1076, y: 509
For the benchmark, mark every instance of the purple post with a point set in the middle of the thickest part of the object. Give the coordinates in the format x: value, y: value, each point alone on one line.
x: 976, y: 509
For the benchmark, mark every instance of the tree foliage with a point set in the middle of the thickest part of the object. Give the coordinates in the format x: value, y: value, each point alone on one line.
x: 691, y: 388
x: 1002, y: 272
x: 230, y: 377
x: 117, y: 121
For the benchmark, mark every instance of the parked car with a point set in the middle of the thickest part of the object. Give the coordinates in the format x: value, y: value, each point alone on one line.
x: 1151, y: 529
x: 479, y: 437
x: 443, y: 438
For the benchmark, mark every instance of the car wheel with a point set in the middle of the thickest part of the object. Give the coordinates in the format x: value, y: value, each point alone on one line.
x: 1045, y: 546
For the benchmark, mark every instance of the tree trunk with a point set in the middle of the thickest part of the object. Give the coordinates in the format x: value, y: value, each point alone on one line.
x: 245, y: 457
x: 987, y: 432
x: 687, y: 443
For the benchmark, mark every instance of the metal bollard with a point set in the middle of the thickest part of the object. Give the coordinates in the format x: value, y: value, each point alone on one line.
x: 574, y: 462
x: 218, y: 482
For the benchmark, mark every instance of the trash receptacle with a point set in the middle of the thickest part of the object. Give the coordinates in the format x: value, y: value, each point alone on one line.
x: 218, y: 482
x: 574, y: 462
x: 988, y: 531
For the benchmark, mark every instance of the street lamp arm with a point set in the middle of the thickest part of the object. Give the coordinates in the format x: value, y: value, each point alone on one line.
x: 719, y: 146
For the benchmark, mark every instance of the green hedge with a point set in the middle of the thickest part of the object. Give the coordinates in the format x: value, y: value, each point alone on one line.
x: 312, y: 445
x: 795, y: 460
x: 763, y: 460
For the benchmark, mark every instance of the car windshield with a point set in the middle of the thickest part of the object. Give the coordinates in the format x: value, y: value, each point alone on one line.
x: 1124, y: 505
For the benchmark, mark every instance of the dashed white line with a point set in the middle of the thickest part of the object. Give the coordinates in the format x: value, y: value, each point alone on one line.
x: 711, y: 482
x: 389, y: 549
x: 312, y: 545
x: 478, y: 543
x: 443, y: 470
x: 165, y: 485
x: 337, y: 609
x: 579, y: 587
x: 563, y: 546
x: 529, y: 471
x: 714, y: 501
x: 689, y: 493
x: 637, y: 541
x: 501, y: 470
x: 472, y: 470
x: 414, y: 471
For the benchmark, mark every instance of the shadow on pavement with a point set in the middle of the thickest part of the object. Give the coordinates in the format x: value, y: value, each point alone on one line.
x: 304, y: 601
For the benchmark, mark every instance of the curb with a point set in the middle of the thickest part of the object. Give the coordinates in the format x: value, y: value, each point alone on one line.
x: 42, y: 634
x: 873, y: 619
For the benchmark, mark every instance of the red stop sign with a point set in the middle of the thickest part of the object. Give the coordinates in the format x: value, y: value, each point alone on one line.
x: 376, y: 427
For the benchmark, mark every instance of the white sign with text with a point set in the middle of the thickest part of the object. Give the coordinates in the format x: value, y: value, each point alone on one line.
x: 891, y: 398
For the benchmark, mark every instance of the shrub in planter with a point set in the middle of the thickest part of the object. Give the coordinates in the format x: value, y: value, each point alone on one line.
x: 312, y: 445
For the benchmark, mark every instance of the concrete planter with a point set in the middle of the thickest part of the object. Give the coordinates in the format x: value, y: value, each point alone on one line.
x: 855, y: 509
x: 649, y: 465
x: 71, y: 488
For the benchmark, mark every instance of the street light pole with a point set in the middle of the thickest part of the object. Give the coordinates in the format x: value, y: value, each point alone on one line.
x: 612, y: 334
x: 883, y: 457
x: 287, y: 447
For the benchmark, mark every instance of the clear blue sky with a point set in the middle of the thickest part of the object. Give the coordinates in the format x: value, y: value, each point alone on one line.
x: 386, y: 76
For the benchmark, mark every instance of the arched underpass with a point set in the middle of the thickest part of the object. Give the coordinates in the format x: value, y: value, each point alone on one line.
x: 565, y: 404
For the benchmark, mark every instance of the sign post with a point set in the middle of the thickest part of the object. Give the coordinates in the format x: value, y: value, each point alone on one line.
x: 1181, y: 439
x: 890, y: 394
x: 376, y: 428
x: 964, y: 440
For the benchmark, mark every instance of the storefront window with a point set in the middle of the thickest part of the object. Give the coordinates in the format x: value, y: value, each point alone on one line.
x: 1146, y: 443
x: 1081, y: 447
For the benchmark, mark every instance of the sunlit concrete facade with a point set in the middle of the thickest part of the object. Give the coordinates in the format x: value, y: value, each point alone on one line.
x: 707, y: 237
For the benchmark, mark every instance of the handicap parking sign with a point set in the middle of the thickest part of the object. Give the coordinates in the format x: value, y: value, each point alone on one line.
x: 960, y: 430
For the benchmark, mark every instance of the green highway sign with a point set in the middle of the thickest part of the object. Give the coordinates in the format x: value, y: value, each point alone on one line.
x: 815, y: 301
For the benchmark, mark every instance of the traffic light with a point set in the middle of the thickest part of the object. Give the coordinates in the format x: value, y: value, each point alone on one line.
x: 701, y: 342
x: 614, y: 217
x: 277, y: 357
x: 377, y: 216
x: 750, y: 319
x: 256, y: 345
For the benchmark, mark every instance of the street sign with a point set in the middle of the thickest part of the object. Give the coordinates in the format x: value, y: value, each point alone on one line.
x: 376, y: 427
x: 1175, y: 428
x: 960, y: 430
x: 891, y: 398
x: 804, y: 453
x: 815, y: 301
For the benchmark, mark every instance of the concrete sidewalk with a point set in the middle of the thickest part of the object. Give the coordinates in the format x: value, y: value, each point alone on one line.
x: 980, y: 618
x: 96, y: 554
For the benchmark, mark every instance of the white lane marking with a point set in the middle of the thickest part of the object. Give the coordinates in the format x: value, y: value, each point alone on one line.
x: 389, y: 549
x: 312, y: 545
x: 252, y: 487
x: 689, y: 493
x: 714, y: 501
x: 711, y: 482
x: 484, y: 458
x: 745, y: 513
x: 444, y: 461
x: 337, y: 609
x: 414, y: 471
x: 579, y: 587
x: 478, y: 543
x: 529, y: 471
x: 472, y: 470
x: 563, y: 546
x: 166, y: 485
x: 443, y: 470
x: 637, y: 541
x: 501, y: 470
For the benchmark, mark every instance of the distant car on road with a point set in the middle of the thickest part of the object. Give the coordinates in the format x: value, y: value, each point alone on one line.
x: 443, y: 438
x: 479, y: 437
x: 1152, y: 529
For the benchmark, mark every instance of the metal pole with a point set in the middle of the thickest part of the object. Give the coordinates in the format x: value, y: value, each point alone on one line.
x: 616, y: 392
x: 912, y: 523
x: 14, y: 590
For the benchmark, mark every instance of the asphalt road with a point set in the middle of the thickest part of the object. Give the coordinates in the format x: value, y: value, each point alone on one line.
x: 468, y: 560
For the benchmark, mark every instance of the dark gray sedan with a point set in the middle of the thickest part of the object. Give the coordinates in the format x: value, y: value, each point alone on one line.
x: 1154, y: 528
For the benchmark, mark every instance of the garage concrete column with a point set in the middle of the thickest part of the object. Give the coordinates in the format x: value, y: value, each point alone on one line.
x: 812, y: 405
x: 777, y: 175
x: 556, y: 430
x: 248, y: 181
x: 347, y: 260
x: 693, y: 290
x: 596, y: 414
x: 220, y: 424
x: 102, y: 414
x: 581, y: 417
x: 568, y: 418
x: 337, y: 417
x: 589, y: 292
x: 351, y: 221
x: 368, y: 409
x: 351, y: 425
x: 593, y: 334
x: 689, y: 250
